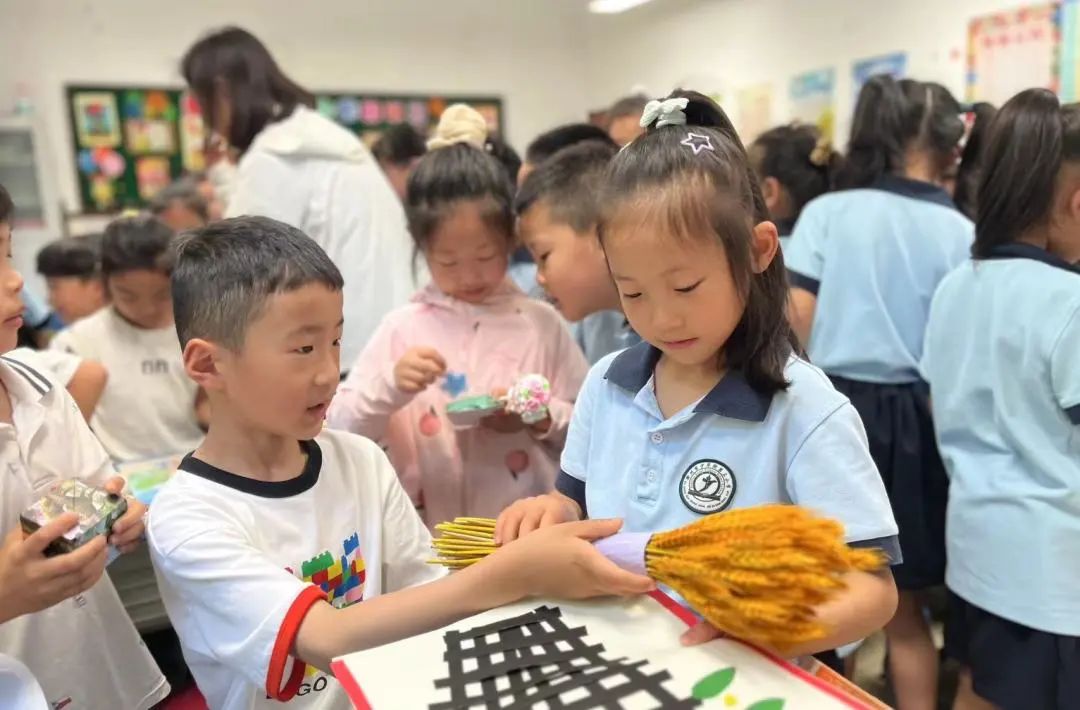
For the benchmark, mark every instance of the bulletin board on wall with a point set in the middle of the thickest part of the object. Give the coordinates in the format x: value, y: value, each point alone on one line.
x: 131, y: 141
x: 1014, y: 50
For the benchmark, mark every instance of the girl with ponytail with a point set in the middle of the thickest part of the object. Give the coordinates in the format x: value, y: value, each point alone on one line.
x: 1002, y: 356
x: 794, y: 164
x: 715, y: 409
x: 864, y: 263
x: 470, y: 332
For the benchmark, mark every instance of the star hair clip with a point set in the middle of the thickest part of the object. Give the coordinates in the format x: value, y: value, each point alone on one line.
x: 697, y: 142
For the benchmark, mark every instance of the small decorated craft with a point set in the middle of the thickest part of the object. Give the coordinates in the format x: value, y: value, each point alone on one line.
x: 754, y: 573
x: 529, y: 398
x: 468, y: 411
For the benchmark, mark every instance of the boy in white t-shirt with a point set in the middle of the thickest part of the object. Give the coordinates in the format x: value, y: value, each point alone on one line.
x: 274, y: 529
x: 58, y: 615
x: 149, y: 406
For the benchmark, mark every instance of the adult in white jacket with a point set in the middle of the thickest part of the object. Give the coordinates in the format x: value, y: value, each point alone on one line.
x: 300, y: 167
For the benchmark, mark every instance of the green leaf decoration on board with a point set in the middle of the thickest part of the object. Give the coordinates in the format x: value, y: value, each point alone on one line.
x: 770, y: 704
x: 713, y: 684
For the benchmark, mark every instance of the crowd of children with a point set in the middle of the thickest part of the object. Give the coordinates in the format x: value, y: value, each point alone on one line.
x: 769, y: 323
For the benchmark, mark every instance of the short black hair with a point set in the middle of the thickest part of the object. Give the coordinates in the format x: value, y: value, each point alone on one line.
x: 551, y: 142
x: 7, y: 207
x: 134, y: 243
x: 399, y: 144
x: 633, y: 105
x: 570, y: 184
x: 891, y: 116
x: 446, y: 177
x: 258, y: 91
x: 225, y: 272
x: 1031, y: 138
x: 711, y: 193
x: 71, y: 257
x: 185, y: 190
x: 798, y: 158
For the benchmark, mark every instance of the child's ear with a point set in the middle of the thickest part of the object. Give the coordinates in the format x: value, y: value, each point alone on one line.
x: 770, y: 190
x: 765, y: 243
x: 201, y: 359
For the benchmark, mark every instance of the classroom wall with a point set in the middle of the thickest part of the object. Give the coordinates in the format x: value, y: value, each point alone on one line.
x: 721, y: 45
x: 529, y: 53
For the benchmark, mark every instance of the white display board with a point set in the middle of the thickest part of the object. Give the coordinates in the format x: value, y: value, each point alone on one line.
x: 609, y: 653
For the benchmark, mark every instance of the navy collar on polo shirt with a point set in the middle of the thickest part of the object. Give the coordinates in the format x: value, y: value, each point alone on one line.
x: 1021, y: 250
x: 915, y: 189
x: 732, y: 397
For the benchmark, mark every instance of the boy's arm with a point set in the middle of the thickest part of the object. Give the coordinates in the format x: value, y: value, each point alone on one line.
x: 87, y: 385
x: 556, y: 562
x: 230, y: 602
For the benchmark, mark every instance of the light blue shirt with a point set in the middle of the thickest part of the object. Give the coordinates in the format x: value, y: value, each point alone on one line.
x: 874, y: 257
x: 734, y: 448
x: 603, y: 333
x: 1003, y: 362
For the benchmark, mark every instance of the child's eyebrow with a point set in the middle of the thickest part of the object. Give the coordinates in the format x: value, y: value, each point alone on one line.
x: 312, y: 328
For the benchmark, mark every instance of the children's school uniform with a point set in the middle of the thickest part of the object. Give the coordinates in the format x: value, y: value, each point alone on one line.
x: 874, y: 258
x: 784, y: 228
x: 1002, y: 358
x: 734, y: 448
x: 84, y: 651
x: 240, y: 562
x: 477, y: 471
x: 61, y: 365
x: 603, y: 333
x: 148, y: 406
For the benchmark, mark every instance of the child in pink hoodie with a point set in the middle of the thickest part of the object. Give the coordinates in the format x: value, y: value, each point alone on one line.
x: 470, y: 332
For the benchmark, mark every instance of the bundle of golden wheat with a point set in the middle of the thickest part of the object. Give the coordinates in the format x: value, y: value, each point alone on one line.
x: 753, y: 573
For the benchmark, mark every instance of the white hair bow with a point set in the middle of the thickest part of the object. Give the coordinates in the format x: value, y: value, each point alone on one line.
x: 669, y: 112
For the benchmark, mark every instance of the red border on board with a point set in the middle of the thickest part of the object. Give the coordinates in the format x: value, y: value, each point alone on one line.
x: 356, y: 693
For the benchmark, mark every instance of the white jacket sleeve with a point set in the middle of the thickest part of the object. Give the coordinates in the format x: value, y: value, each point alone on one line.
x: 267, y: 186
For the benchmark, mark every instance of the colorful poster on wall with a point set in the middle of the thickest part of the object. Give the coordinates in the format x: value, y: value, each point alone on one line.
x: 97, y: 124
x: 152, y: 175
x: 1013, y: 50
x: 895, y: 65
x: 154, y: 136
x: 1069, y: 72
x: 130, y: 141
x: 192, y: 134
x: 755, y: 111
x: 812, y: 96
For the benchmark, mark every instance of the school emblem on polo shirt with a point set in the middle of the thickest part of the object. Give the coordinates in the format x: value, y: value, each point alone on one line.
x: 707, y: 487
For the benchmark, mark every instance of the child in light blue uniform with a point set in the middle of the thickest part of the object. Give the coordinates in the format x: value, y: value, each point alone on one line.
x: 714, y: 411
x: 864, y: 264
x: 794, y: 164
x: 1002, y: 357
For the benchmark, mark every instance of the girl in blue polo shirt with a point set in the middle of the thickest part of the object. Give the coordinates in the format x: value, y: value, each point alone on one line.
x: 714, y: 410
x: 1002, y: 357
x: 864, y: 263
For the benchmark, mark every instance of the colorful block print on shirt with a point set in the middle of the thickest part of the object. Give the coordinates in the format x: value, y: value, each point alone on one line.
x: 342, y: 578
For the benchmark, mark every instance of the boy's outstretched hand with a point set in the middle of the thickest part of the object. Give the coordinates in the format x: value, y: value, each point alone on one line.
x: 30, y: 582
x: 561, y: 562
x: 529, y: 514
x: 129, y: 531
